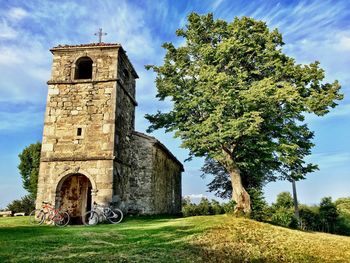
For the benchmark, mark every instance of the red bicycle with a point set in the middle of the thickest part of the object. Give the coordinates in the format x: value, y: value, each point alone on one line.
x: 47, y: 212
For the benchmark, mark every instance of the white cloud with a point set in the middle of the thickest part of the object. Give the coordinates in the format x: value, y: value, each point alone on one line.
x: 196, y: 196
x: 341, y: 111
x: 217, y: 3
x: 17, y: 13
x: 18, y: 120
x: 330, y: 160
x: 6, y: 31
x: 343, y: 41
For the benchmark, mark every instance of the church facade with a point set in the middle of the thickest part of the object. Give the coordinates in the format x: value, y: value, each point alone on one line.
x: 90, y: 150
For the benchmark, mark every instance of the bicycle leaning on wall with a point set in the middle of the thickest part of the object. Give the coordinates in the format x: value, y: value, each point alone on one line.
x: 100, y: 213
x: 49, y: 213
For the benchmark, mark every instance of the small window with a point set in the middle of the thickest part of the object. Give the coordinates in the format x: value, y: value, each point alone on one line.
x: 83, y: 68
x: 79, y: 131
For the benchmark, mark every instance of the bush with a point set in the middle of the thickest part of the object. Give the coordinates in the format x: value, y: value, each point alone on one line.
x: 309, y: 218
x: 285, y: 200
x: 26, y: 204
x: 205, y: 207
x: 328, y: 215
x: 216, y: 208
x: 343, y: 221
x: 260, y: 208
x: 284, y: 217
x: 229, y: 207
x: 189, y: 210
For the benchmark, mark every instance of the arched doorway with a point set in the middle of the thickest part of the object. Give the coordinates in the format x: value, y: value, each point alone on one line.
x: 74, y: 196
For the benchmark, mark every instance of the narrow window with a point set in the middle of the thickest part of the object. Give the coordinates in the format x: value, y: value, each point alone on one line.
x: 83, y: 68
x: 79, y: 131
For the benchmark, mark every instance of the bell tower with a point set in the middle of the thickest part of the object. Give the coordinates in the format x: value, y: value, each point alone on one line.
x: 89, y: 120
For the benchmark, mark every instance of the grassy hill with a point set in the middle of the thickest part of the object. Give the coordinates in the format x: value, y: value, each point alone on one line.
x: 194, y: 239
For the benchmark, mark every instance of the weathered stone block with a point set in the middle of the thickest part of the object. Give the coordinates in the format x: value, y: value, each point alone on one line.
x: 47, y: 147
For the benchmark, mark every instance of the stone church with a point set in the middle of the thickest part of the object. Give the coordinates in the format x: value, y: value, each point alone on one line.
x: 90, y: 150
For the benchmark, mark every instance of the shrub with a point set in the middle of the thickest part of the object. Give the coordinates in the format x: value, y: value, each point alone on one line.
x: 284, y: 217
x: 203, y: 207
x: 343, y: 221
x: 189, y: 210
x: 260, y: 208
x: 309, y: 218
x: 229, y: 207
x: 285, y: 200
x: 216, y: 208
x: 25, y: 204
x: 328, y: 215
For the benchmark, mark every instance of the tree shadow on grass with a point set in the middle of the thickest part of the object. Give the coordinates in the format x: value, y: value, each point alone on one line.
x: 116, y: 243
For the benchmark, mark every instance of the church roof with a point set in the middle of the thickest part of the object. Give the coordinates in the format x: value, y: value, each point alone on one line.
x: 162, y: 146
x: 102, y: 44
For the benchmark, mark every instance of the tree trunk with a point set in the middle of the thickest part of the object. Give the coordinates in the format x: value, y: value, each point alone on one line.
x: 239, y: 194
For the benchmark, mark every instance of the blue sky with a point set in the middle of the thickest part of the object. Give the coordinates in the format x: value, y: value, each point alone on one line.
x: 312, y: 30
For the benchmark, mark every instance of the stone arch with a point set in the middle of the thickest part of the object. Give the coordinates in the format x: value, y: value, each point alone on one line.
x: 74, y: 193
x: 62, y: 176
x: 83, y: 68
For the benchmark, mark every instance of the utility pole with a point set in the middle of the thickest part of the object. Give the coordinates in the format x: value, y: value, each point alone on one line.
x: 295, y: 198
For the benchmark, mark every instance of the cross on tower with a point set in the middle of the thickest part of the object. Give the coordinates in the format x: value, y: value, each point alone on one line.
x: 100, y: 34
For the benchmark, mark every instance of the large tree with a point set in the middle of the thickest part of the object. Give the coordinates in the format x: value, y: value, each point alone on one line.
x: 29, y: 167
x: 238, y: 99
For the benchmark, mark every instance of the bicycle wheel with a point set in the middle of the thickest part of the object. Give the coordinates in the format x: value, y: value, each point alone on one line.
x: 61, y: 219
x: 114, y: 216
x: 90, y: 218
x: 36, y: 217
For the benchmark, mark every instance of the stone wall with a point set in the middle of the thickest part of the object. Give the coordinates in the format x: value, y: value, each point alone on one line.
x: 141, y: 199
x: 166, y: 174
x: 85, y: 104
x: 124, y: 126
x: 155, y: 187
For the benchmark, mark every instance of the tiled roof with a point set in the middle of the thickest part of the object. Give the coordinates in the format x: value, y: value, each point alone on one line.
x: 102, y: 44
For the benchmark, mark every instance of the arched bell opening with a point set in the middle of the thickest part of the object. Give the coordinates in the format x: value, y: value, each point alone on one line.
x: 73, y: 195
x: 83, y: 68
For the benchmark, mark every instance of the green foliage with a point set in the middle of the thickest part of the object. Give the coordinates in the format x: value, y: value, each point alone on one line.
x: 328, y: 214
x: 25, y: 204
x: 284, y: 200
x: 343, y: 205
x: 205, y: 207
x: 238, y: 99
x: 283, y: 216
x: 260, y: 208
x: 29, y: 167
x: 221, y: 183
x: 216, y: 208
x: 309, y: 218
x: 326, y: 217
x: 229, y: 207
x: 343, y: 221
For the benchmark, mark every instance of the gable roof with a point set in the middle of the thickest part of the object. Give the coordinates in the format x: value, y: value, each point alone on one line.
x: 154, y: 141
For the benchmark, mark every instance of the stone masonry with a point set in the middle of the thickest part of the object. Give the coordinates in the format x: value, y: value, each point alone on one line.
x: 90, y: 151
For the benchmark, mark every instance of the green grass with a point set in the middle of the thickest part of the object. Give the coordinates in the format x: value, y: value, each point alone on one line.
x: 193, y: 239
